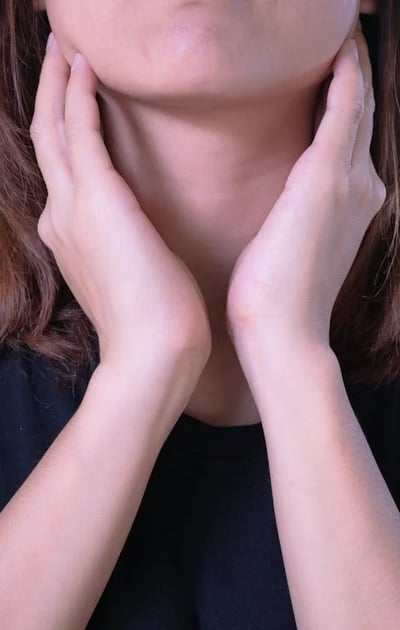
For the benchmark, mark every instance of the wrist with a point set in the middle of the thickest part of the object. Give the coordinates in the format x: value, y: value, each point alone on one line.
x: 124, y: 354
x: 278, y: 354
x: 159, y: 384
x: 280, y: 375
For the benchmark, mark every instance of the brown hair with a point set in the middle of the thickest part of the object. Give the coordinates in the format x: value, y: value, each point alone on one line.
x: 38, y: 311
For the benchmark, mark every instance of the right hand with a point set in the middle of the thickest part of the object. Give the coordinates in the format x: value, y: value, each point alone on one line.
x: 133, y: 288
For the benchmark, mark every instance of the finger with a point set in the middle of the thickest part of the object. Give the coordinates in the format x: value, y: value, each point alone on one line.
x: 48, y: 119
x: 362, y: 145
x: 87, y: 150
x: 321, y: 103
x: 337, y: 132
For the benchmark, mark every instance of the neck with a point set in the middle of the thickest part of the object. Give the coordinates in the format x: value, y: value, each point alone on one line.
x: 207, y: 180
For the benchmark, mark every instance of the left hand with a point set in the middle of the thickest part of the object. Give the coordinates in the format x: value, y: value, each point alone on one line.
x: 289, y: 275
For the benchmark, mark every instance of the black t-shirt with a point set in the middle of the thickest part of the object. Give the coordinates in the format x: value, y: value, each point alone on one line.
x: 203, y: 552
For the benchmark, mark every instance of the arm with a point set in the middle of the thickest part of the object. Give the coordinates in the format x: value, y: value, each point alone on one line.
x: 338, y: 525
x: 62, y: 532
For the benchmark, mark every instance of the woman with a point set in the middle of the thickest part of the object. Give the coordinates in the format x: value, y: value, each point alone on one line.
x: 199, y: 377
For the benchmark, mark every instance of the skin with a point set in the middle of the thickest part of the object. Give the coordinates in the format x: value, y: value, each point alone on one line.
x: 338, y: 525
x: 206, y: 106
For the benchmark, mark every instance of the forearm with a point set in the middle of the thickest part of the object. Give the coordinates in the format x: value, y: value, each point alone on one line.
x: 338, y: 525
x: 62, y: 532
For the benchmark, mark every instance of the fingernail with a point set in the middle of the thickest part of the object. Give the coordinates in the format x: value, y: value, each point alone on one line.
x: 76, y: 61
x: 50, y: 41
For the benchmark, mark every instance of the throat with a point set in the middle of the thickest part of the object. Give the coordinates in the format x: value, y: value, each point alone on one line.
x: 222, y: 396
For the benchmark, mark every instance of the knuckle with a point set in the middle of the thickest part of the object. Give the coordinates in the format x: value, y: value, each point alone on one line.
x: 380, y: 192
x: 365, y: 189
x: 362, y: 186
x: 36, y: 129
x: 60, y: 227
x: 45, y: 228
x: 52, y: 226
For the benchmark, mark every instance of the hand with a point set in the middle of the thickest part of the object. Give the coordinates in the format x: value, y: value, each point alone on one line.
x: 288, y: 277
x: 139, y: 295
